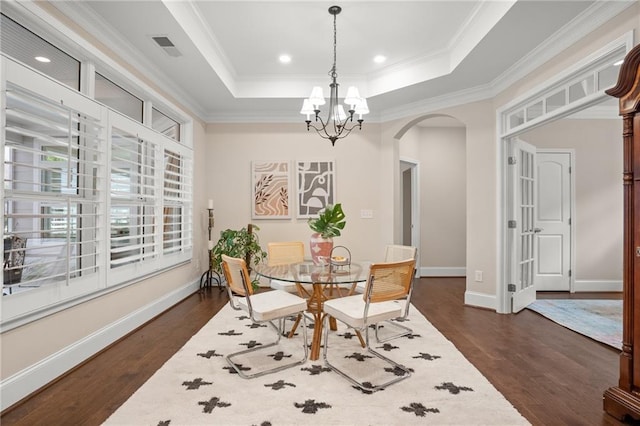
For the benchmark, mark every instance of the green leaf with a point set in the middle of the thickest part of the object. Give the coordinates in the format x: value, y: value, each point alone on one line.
x: 329, y: 222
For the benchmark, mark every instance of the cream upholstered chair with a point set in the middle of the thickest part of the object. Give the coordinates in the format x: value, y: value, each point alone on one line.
x: 387, y: 282
x: 285, y: 253
x: 265, y: 307
x: 395, y: 253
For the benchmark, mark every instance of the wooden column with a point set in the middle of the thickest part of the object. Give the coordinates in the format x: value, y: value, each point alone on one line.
x: 623, y: 401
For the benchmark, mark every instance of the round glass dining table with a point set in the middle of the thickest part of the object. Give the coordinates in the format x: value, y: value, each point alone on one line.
x: 327, y: 282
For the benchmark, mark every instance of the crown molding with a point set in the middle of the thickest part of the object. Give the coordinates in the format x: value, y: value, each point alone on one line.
x: 85, y: 17
x: 593, y: 17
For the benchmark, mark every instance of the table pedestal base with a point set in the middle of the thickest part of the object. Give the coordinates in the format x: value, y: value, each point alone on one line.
x: 315, y: 301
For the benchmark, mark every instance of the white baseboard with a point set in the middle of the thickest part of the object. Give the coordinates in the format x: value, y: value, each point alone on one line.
x: 32, y: 378
x: 480, y: 300
x: 597, y: 285
x: 432, y: 271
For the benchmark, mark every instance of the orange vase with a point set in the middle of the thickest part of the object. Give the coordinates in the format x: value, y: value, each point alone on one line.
x: 320, y: 249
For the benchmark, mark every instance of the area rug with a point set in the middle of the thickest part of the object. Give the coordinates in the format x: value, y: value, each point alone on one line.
x: 598, y: 319
x: 196, y: 386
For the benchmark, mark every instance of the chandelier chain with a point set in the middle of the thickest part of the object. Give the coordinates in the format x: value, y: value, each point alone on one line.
x: 333, y: 73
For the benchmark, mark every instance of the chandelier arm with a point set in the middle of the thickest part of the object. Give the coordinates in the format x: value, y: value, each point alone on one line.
x: 340, y: 127
x: 322, y: 131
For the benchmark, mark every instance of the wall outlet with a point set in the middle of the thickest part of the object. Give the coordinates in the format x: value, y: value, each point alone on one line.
x: 479, y: 276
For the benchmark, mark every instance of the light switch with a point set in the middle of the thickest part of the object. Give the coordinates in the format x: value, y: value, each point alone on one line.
x: 366, y: 214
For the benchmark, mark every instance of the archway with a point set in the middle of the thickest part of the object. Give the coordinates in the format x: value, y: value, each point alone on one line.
x: 431, y: 152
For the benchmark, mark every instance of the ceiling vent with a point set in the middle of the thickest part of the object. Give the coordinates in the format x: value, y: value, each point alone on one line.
x: 167, y: 45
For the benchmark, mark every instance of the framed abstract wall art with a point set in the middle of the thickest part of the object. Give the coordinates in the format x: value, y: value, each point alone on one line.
x: 270, y: 189
x: 316, y: 186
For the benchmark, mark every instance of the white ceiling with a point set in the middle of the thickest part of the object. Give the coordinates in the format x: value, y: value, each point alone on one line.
x: 438, y: 52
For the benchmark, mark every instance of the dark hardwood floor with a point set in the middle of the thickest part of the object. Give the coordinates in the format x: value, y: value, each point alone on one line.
x: 552, y: 375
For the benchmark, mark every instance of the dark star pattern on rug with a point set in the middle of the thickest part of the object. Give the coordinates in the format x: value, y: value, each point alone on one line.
x: 347, y: 335
x: 280, y: 384
x: 254, y: 325
x: 164, y: 422
x: 195, y: 383
x: 279, y: 356
x: 358, y: 357
x: 428, y: 357
x: 412, y: 336
x: 210, y: 405
x: 310, y: 406
x: 453, y: 389
x: 397, y: 371
x: 229, y: 333
x: 315, y: 369
x: 418, y: 409
x: 387, y: 347
x: 251, y: 344
x: 209, y: 354
x: 366, y: 388
x: 238, y: 366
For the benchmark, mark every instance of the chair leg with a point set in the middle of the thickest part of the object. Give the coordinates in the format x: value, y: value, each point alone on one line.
x: 230, y: 357
x: 354, y: 381
x: 295, y: 326
x: 405, y: 331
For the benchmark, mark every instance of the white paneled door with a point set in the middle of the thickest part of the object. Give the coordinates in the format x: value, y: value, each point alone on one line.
x: 553, y: 221
x: 522, y: 183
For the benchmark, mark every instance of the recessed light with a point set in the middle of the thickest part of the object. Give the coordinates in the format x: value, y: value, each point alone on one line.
x: 378, y: 59
x: 42, y: 59
x: 285, y: 59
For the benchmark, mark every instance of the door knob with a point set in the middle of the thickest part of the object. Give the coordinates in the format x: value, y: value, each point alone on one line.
x: 536, y: 230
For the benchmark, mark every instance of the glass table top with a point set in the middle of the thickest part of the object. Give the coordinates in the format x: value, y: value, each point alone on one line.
x: 309, y: 273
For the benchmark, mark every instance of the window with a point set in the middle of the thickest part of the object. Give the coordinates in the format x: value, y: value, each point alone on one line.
x: 92, y: 198
x: 117, y: 98
x: 52, y: 168
x: 165, y: 125
x: 133, y: 197
x: 25, y: 46
x: 580, y: 87
x: 177, y: 187
x: 98, y: 199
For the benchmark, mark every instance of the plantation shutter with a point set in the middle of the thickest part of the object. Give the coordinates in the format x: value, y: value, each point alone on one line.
x: 52, y: 156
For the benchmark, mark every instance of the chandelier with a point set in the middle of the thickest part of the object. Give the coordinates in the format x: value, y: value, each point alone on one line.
x: 338, y: 123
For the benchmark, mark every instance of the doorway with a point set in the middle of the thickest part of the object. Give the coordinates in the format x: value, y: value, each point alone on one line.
x: 540, y: 208
x: 576, y: 89
x: 410, y: 202
x: 554, y: 221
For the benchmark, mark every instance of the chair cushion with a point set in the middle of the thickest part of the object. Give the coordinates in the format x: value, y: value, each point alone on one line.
x: 273, y: 304
x: 350, y: 310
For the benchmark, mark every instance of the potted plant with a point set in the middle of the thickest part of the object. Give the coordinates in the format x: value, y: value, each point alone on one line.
x: 243, y: 244
x: 329, y: 223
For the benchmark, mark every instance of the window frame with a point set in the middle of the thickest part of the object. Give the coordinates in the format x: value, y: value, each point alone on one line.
x: 22, y: 308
